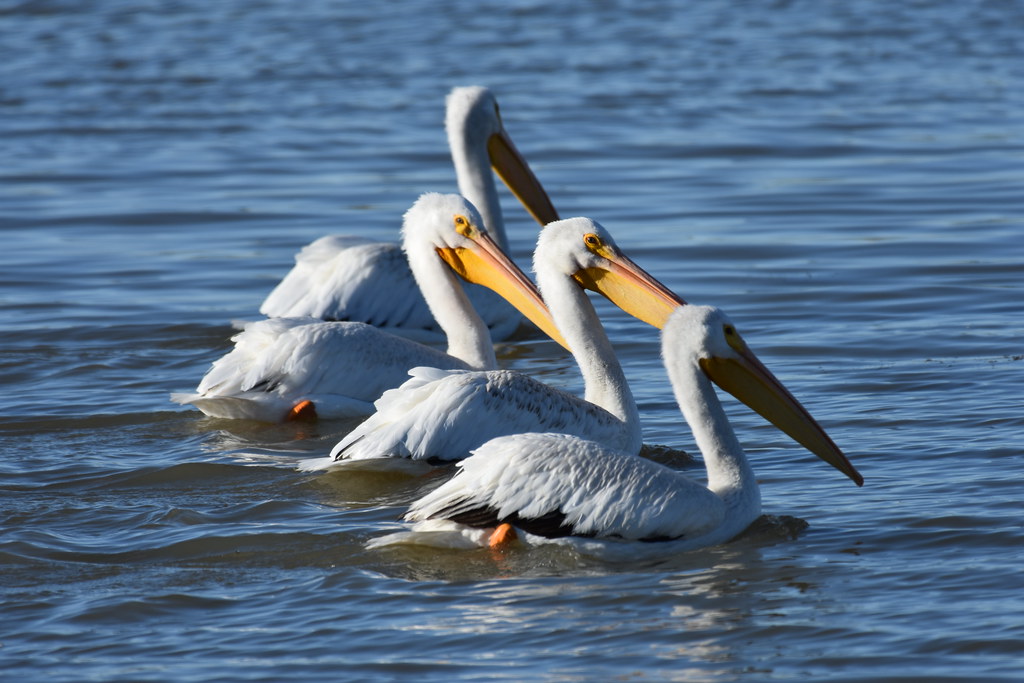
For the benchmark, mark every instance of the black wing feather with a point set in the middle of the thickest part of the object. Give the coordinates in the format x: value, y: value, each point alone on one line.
x: 551, y: 524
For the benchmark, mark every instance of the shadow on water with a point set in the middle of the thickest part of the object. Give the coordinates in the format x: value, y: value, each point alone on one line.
x: 419, y: 563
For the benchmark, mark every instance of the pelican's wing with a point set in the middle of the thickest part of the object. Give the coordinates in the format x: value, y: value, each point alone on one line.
x: 555, y: 485
x: 443, y: 416
x: 349, y: 278
x: 342, y: 367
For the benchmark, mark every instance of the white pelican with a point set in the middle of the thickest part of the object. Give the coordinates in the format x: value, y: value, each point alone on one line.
x: 602, y: 500
x: 354, y: 278
x: 442, y: 415
x: 284, y: 368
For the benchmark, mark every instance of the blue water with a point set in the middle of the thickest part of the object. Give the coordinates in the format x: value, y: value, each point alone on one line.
x: 845, y: 179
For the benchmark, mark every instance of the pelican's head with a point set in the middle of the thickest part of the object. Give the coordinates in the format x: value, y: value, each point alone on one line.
x: 449, y: 226
x: 582, y: 249
x: 473, y: 121
x: 704, y: 335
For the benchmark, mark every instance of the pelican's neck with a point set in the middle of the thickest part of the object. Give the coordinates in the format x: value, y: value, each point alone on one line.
x: 730, y: 476
x: 604, y: 381
x: 476, y: 182
x: 468, y: 337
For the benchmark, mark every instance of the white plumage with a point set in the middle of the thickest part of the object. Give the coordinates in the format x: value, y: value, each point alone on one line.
x: 341, y: 367
x: 560, y: 485
x: 563, y: 489
x: 440, y: 415
x: 339, y: 277
x: 353, y: 278
x: 337, y: 369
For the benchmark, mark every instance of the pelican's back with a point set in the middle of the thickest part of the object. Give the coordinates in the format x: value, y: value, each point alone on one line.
x: 557, y: 485
x: 439, y: 415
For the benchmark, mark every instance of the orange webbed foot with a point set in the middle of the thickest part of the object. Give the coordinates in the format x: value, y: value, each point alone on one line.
x: 303, y: 410
x: 502, y: 535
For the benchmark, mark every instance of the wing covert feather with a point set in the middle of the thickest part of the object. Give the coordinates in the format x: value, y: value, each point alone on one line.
x: 348, y: 278
x: 444, y: 417
x: 593, y: 490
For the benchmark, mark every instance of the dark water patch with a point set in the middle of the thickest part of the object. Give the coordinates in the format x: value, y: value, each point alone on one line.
x: 669, y: 456
x: 162, y: 219
x: 238, y: 549
x: 94, y: 423
x: 368, y: 488
x: 122, y: 612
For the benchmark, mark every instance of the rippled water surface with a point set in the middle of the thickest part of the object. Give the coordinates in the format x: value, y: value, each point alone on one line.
x: 844, y: 178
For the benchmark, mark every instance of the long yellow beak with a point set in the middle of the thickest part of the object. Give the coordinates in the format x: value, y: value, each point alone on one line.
x: 488, y: 265
x: 632, y: 289
x: 750, y: 381
x: 513, y: 170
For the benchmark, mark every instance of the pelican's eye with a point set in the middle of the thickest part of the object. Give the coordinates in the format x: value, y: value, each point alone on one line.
x: 592, y: 241
x: 733, y: 338
x: 463, y: 225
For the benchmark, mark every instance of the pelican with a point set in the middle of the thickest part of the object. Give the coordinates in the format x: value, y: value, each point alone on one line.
x: 285, y: 368
x: 351, y: 277
x: 606, y: 501
x: 442, y: 415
